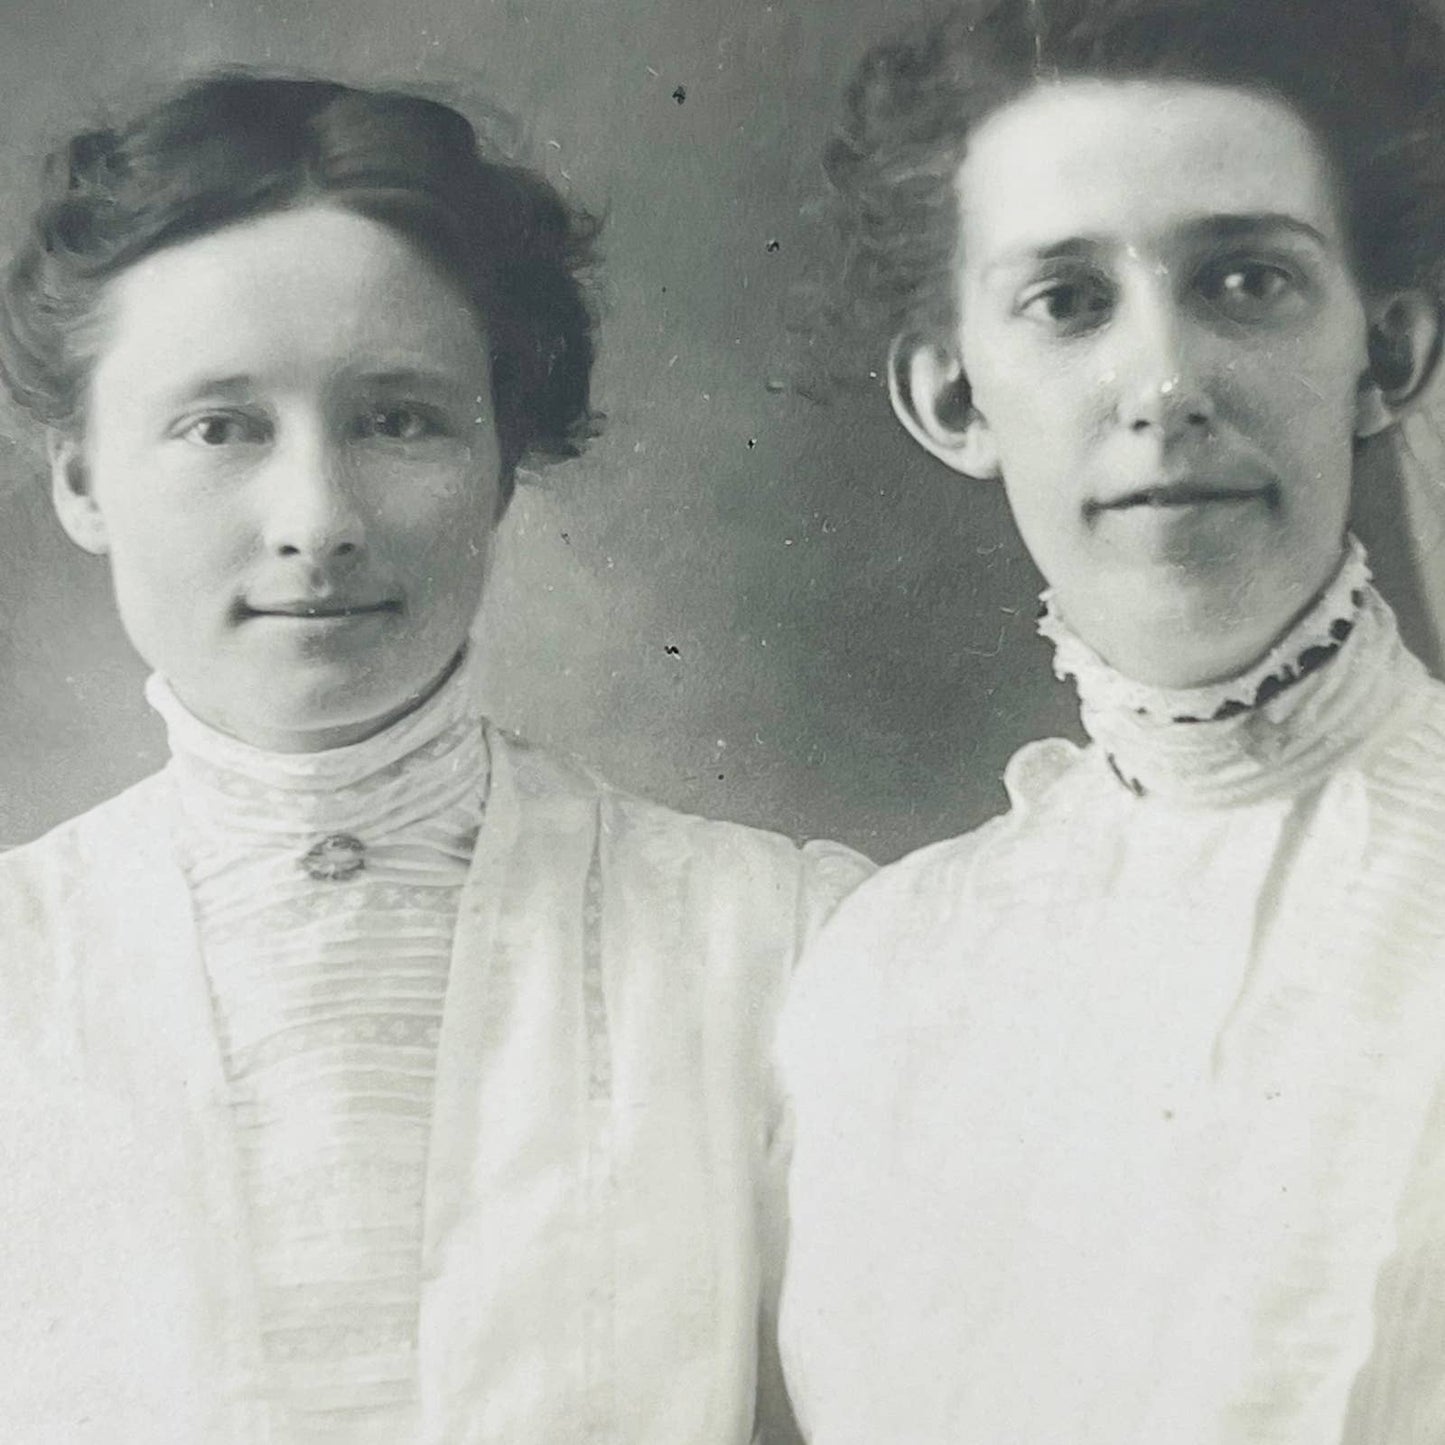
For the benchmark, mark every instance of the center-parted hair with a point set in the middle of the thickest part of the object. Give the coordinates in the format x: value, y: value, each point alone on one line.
x: 235, y: 145
x: 1368, y: 77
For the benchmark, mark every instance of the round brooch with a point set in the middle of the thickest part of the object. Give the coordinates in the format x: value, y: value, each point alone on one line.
x: 335, y: 857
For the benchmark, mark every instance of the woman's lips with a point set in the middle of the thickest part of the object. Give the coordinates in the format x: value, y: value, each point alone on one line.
x: 1181, y: 495
x: 315, y: 611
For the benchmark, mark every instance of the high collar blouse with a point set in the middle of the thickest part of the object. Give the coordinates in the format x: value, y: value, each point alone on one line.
x: 1117, y: 1120
x: 325, y: 888
x: 594, y: 1246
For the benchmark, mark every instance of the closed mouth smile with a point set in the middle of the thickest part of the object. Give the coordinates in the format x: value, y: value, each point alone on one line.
x: 1182, y: 495
x: 318, y: 611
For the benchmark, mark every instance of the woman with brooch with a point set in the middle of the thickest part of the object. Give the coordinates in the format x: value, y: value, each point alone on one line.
x: 366, y: 1074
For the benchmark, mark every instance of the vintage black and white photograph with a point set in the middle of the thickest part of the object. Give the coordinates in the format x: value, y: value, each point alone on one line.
x: 722, y: 722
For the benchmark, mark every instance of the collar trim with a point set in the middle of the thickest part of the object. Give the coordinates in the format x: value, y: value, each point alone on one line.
x: 1311, y: 642
x: 1330, y: 682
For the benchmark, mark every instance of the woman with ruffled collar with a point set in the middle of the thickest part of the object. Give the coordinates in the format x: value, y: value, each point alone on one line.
x: 1122, y: 1120
x: 366, y: 1074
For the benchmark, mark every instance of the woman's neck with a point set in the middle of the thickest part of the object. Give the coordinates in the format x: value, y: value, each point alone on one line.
x: 1325, y: 686
x: 1186, y: 641
x: 324, y: 738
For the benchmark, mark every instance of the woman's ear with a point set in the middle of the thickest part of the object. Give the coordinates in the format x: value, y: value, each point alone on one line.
x: 931, y: 397
x: 1403, y: 347
x: 70, y: 492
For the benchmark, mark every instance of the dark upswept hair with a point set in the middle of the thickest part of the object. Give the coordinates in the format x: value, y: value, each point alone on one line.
x: 234, y: 145
x: 1367, y: 76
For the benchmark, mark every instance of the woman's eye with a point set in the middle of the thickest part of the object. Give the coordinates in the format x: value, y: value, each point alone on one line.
x: 1069, y: 305
x: 224, y: 429
x: 399, y: 423
x: 1251, y: 290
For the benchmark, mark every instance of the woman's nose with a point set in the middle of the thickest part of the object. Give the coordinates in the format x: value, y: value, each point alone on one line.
x: 1163, y: 387
x: 311, y: 509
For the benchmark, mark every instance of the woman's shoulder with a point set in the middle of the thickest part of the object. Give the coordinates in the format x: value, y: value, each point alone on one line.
x: 1421, y: 728
x: 880, y: 952
x: 53, y: 888
x: 896, y: 940
x: 916, y: 890
x: 547, y: 781
x: 63, y: 895
x: 121, y: 825
x: 1403, y: 768
x: 890, y: 916
x: 543, y: 773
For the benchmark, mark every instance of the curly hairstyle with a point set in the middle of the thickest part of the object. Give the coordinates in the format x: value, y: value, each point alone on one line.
x: 234, y: 145
x: 1368, y: 76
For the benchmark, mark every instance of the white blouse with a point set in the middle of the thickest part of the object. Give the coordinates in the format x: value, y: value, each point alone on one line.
x: 1116, y: 1119
x: 593, y: 1257
x: 328, y: 984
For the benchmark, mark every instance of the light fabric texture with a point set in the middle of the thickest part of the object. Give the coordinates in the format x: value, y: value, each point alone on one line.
x: 328, y: 995
x: 1119, y: 1121
x: 597, y: 1169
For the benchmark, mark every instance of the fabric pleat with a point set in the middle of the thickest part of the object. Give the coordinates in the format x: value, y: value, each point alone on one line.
x: 1122, y: 1119
x: 328, y: 995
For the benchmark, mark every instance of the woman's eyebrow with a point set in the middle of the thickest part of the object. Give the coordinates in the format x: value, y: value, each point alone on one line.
x: 438, y: 384
x: 1070, y: 248
x: 234, y: 387
x: 239, y: 386
x: 409, y: 376
x: 1227, y: 226
x: 1235, y: 226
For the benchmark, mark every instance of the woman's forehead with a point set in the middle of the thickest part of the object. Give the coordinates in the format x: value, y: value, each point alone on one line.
x: 318, y: 288
x: 1137, y: 163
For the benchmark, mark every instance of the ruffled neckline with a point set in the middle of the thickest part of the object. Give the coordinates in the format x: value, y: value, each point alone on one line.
x: 1328, y: 683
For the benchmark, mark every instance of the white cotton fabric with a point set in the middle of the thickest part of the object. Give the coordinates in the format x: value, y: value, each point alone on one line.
x: 1119, y: 1120
x: 328, y: 997
x: 597, y: 1197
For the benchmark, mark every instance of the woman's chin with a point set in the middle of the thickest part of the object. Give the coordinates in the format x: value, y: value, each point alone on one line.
x: 1181, y: 629
x: 1180, y: 652
x: 313, y: 717
x: 1177, y: 670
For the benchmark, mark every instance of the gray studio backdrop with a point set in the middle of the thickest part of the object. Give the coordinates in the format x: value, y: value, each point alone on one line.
x: 753, y: 598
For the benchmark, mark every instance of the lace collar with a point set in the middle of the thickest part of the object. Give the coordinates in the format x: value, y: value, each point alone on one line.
x: 1325, y: 686
x: 412, y: 770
